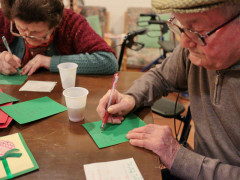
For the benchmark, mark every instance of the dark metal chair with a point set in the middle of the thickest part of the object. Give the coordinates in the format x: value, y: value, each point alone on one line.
x: 170, y: 109
x: 166, y: 46
x: 128, y: 42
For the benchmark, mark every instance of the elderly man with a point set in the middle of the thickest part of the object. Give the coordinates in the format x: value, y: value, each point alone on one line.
x: 207, y: 64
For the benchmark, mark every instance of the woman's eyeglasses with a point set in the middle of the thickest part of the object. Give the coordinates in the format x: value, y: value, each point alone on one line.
x: 30, y: 37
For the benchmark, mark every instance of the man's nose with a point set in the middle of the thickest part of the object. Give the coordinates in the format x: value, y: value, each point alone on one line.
x: 186, y: 42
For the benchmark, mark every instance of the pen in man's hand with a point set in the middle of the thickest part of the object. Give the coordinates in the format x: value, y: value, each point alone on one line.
x: 105, y: 118
x: 9, y: 50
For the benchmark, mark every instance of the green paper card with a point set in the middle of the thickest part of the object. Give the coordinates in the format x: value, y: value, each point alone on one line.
x: 113, y: 133
x: 5, y: 98
x: 16, y: 79
x: 32, y: 110
x: 11, y: 167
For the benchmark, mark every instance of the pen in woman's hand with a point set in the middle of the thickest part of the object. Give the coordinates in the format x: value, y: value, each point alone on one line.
x: 9, y: 50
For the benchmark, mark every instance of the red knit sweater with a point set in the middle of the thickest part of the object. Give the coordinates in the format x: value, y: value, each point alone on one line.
x: 73, y: 36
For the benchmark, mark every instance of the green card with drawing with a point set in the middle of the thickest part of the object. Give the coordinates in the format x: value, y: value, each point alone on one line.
x: 113, y: 133
x: 5, y: 98
x: 32, y: 110
x: 16, y: 79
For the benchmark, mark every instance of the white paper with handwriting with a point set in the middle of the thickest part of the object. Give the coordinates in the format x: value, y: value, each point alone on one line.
x: 125, y: 169
x: 38, y: 86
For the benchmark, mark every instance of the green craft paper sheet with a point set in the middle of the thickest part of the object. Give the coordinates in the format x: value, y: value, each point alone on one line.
x: 35, y: 165
x: 16, y: 79
x: 5, y: 98
x: 113, y: 133
x: 32, y: 110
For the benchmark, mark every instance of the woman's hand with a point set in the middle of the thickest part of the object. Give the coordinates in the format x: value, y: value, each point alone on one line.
x: 158, y: 139
x: 121, y: 105
x: 9, y: 63
x: 34, y: 64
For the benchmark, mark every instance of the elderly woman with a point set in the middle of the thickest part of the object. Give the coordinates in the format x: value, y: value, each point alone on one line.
x: 44, y: 34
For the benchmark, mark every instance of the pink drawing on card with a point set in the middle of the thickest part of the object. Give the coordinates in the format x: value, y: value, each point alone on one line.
x: 5, y: 146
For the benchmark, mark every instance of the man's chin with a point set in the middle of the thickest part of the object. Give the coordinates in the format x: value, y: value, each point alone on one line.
x: 200, y: 63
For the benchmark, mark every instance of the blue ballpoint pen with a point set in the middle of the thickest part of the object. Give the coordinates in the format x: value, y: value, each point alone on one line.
x: 9, y: 50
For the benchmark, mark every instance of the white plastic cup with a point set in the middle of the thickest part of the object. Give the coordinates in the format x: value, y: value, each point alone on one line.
x: 68, y: 73
x: 76, y: 98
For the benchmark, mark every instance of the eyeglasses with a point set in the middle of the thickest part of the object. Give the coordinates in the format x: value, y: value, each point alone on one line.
x: 30, y: 37
x: 195, y: 36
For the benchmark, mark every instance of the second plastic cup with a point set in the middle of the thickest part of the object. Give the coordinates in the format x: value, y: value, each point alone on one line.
x: 76, y: 98
x: 68, y: 73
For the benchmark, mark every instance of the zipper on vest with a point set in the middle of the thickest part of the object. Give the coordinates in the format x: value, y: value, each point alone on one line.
x: 218, y: 88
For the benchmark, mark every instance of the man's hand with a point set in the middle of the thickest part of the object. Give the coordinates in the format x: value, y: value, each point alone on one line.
x: 157, y: 138
x: 9, y: 63
x: 121, y: 105
x: 34, y: 64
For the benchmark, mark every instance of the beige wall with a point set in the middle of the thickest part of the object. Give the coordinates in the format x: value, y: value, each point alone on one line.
x: 116, y: 8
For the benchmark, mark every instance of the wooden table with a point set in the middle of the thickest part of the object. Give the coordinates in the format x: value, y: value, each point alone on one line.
x: 61, y: 147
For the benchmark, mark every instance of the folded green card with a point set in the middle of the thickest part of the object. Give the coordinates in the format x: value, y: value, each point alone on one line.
x: 113, y: 133
x: 32, y: 110
x: 16, y: 79
x: 5, y: 98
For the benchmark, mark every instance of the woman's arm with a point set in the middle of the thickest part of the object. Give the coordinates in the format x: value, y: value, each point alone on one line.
x: 96, y: 63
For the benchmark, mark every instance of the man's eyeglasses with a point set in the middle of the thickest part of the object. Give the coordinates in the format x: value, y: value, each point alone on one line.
x: 30, y: 37
x: 195, y: 36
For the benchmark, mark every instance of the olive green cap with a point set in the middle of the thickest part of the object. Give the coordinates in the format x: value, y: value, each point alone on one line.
x: 188, y: 6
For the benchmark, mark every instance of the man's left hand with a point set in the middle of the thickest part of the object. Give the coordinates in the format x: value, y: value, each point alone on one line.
x: 157, y: 138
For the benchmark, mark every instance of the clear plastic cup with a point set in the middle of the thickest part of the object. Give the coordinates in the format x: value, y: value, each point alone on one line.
x: 68, y: 73
x: 76, y: 98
